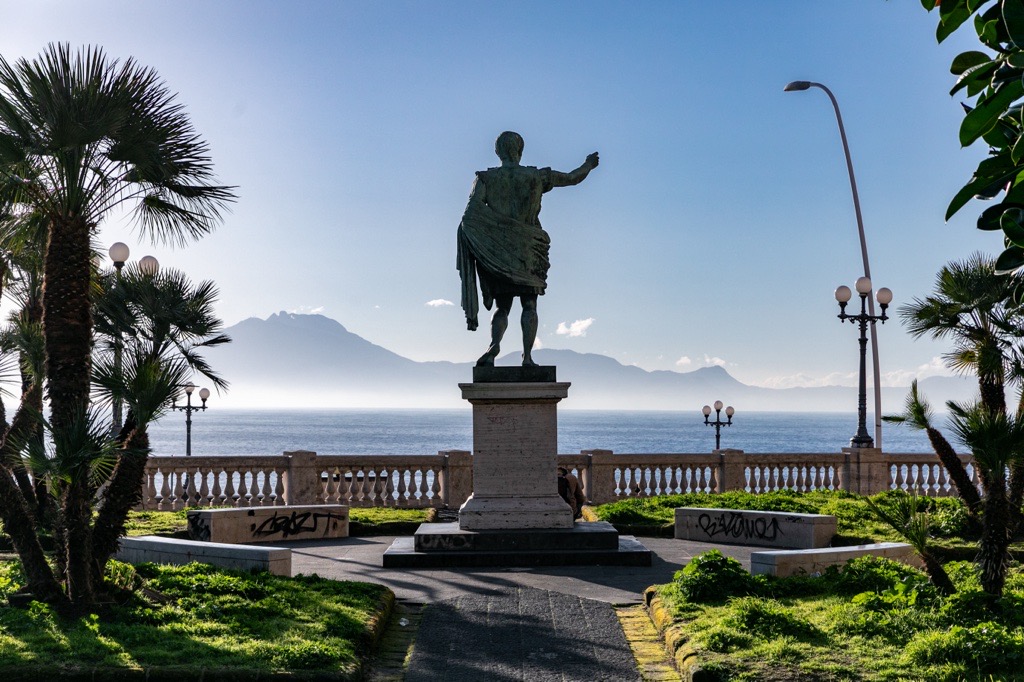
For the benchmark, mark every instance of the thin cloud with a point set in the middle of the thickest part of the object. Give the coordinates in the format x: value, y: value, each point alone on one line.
x: 307, y: 310
x: 713, y: 361
x: 577, y: 328
x: 438, y: 302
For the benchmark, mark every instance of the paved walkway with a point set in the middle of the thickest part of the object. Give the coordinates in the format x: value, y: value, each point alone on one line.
x: 524, y: 624
x: 361, y: 558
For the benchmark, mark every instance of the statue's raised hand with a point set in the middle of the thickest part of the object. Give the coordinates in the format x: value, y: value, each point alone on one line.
x: 593, y: 160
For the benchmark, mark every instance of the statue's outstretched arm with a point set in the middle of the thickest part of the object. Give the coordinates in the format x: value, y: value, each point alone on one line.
x: 559, y: 179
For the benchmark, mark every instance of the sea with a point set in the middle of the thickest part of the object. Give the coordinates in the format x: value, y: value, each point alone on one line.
x: 425, y: 432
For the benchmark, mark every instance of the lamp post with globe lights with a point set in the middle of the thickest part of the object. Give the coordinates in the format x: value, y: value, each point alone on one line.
x: 799, y: 86
x: 188, y: 408
x: 149, y: 266
x: 718, y: 423
x: 884, y: 296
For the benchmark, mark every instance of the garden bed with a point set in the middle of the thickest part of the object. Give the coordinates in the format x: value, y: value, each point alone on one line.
x: 195, y: 621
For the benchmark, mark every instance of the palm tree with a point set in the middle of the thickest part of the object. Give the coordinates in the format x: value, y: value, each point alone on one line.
x: 80, y: 135
x: 163, y: 322
x: 979, y: 312
x: 997, y: 442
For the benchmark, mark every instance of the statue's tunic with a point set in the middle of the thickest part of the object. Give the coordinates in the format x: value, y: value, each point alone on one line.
x: 500, y: 237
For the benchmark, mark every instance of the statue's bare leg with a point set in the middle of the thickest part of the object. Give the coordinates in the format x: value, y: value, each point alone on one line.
x: 529, y: 321
x: 499, y: 323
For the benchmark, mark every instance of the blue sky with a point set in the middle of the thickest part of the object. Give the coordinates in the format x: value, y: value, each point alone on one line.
x: 714, y: 231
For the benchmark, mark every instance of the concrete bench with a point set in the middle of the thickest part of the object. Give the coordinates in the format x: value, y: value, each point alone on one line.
x: 758, y: 528
x: 810, y: 561
x: 269, y: 524
x: 150, y: 548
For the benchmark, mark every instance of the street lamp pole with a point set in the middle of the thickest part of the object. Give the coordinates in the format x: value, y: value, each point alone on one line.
x: 149, y: 266
x: 843, y: 295
x: 796, y: 86
x: 718, y: 423
x: 119, y: 253
x: 188, y: 408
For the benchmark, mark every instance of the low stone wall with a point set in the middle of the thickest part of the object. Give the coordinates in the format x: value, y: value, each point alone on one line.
x: 757, y: 528
x: 149, y: 548
x: 268, y: 524
x: 811, y: 561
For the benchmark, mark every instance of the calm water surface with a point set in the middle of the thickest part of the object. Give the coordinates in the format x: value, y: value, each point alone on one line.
x: 421, y: 432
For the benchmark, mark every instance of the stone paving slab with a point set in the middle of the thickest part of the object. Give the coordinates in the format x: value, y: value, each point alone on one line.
x: 360, y: 558
x: 521, y: 633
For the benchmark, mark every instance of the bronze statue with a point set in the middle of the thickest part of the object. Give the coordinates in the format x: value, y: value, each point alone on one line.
x: 500, y: 238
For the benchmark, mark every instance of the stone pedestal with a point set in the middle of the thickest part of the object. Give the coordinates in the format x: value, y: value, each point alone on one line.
x: 515, y: 449
x: 515, y: 516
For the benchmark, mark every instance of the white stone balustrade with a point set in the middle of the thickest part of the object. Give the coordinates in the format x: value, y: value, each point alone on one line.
x: 446, y: 479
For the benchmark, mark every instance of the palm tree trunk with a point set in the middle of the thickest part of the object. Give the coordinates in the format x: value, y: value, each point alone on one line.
x: 18, y: 519
x: 993, y: 558
x: 937, y: 573
x: 965, y: 488
x: 121, y: 496
x: 67, y: 333
x: 67, y: 318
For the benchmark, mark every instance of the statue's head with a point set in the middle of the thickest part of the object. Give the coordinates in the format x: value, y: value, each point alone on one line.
x: 509, y: 146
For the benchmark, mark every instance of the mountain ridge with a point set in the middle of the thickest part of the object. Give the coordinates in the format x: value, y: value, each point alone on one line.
x: 326, y: 365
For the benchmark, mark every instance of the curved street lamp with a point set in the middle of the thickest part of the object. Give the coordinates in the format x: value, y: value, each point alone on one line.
x: 797, y: 86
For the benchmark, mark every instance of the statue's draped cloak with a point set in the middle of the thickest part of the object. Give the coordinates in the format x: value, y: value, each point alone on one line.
x: 509, y: 253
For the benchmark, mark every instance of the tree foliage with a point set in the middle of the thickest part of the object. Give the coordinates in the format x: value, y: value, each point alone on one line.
x: 994, y: 78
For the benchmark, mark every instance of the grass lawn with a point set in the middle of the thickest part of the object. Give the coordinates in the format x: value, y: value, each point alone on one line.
x: 871, y: 620
x: 194, y: 618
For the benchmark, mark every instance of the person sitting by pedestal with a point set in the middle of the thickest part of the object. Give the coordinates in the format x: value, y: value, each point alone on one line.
x: 571, y: 491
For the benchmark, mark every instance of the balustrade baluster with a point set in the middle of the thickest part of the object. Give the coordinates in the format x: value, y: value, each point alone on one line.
x: 230, y: 496
x: 389, y: 488
x: 165, y: 502
x: 265, y: 497
x: 203, y: 499
x: 176, y: 501
x: 279, y: 487
x: 150, y: 500
x: 435, y: 487
x: 403, y: 488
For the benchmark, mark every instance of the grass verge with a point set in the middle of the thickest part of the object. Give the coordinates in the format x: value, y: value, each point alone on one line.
x: 870, y: 620
x: 198, y: 621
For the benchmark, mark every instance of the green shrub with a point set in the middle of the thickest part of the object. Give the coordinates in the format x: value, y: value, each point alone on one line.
x: 987, y: 647
x: 767, y: 618
x: 713, y: 577
x: 723, y: 639
x: 873, y: 574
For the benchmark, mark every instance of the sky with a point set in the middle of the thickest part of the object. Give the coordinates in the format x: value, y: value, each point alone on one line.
x: 714, y: 231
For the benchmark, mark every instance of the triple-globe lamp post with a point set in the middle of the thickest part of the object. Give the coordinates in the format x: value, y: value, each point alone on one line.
x: 797, y: 86
x: 843, y: 295
x: 149, y: 266
x: 188, y: 408
x: 718, y: 423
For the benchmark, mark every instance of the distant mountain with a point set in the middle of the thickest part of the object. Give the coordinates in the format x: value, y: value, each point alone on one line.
x: 313, y: 361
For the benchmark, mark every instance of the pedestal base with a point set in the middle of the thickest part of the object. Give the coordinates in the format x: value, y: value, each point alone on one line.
x: 514, y: 513
x: 515, y: 451
x: 445, y: 545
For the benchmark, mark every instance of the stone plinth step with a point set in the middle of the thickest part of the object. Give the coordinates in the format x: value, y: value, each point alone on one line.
x: 489, y: 375
x: 448, y: 537
x: 402, y: 554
